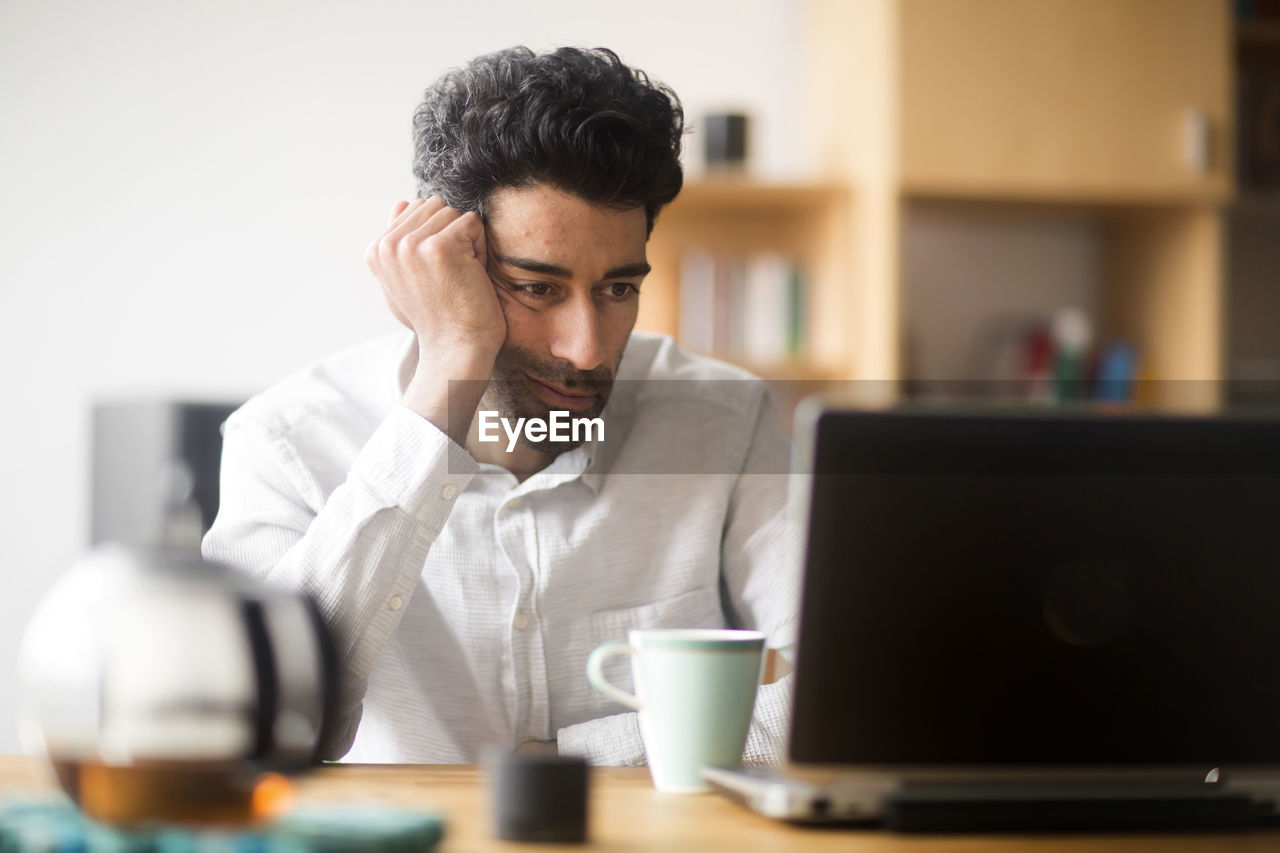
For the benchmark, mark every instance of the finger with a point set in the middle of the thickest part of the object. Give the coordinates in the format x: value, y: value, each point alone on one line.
x: 506, y: 299
x: 437, y: 222
x: 481, y: 242
x: 396, y: 211
x: 396, y: 226
x: 379, y: 245
x: 418, y: 212
x: 470, y: 228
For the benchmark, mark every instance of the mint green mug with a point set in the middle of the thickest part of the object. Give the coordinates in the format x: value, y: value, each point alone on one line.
x: 695, y: 691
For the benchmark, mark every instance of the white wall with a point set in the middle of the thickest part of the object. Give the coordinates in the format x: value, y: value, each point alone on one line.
x: 186, y: 191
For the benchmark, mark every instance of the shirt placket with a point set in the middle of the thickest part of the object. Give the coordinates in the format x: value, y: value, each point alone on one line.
x: 539, y: 707
x: 518, y: 541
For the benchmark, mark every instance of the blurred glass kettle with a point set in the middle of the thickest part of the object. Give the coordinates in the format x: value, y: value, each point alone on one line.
x: 164, y: 687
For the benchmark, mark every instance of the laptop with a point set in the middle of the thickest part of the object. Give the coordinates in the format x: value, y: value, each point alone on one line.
x: 1032, y: 620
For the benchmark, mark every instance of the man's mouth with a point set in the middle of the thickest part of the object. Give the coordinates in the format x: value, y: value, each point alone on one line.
x: 559, y: 398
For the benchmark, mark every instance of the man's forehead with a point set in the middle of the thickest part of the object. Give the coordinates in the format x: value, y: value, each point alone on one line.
x: 549, y: 225
x: 543, y: 210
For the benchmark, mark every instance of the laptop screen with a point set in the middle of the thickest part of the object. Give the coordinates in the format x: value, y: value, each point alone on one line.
x: 1040, y: 589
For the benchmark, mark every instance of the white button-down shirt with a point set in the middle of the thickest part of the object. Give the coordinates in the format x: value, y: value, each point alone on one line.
x: 465, y: 602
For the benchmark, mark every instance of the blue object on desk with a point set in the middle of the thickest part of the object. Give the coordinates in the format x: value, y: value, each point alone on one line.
x: 56, y: 826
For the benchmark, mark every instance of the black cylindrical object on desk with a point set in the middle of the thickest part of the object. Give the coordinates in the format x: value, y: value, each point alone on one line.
x: 539, y: 797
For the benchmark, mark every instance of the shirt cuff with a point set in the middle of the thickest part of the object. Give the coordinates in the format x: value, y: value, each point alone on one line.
x: 408, y: 460
x: 607, y: 741
x: 770, y: 721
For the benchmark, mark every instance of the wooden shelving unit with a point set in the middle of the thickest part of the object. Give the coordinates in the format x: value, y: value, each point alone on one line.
x: 1119, y: 112
x: 739, y: 217
x: 1046, y: 109
x: 1263, y: 33
x: 1253, y: 219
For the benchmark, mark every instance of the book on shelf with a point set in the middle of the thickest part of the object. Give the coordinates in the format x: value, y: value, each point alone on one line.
x: 697, y: 300
x: 747, y: 308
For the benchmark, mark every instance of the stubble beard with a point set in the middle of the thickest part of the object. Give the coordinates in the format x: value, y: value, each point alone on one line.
x: 509, y: 394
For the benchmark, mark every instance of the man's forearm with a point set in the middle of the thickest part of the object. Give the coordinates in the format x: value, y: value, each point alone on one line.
x: 360, y: 555
x: 449, y: 404
x: 607, y: 741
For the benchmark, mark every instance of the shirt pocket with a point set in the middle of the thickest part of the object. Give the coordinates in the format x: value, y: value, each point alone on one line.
x: 698, y: 608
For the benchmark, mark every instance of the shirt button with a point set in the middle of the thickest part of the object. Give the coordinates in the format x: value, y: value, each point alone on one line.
x: 514, y: 503
x: 521, y: 621
x: 394, y: 602
x: 448, y: 491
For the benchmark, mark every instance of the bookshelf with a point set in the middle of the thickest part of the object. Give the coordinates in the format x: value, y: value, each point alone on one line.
x: 1253, y: 218
x: 1113, y: 116
x: 736, y: 218
x: 1116, y: 113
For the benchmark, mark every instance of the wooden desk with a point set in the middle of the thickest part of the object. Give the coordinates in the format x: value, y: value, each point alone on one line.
x: 627, y: 814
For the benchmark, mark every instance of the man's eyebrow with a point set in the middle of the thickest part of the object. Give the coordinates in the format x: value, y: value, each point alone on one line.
x: 633, y: 270
x: 636, y: 270
x: 539, y: 267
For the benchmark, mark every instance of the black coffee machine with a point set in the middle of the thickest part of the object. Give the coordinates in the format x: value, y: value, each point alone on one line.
x: 155, y: 471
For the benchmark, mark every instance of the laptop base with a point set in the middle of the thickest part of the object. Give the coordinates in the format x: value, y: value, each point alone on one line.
x: 923, y: 811
x: 1001, y: 807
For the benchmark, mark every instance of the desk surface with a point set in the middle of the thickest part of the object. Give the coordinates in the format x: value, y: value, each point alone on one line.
x: 627, y: 814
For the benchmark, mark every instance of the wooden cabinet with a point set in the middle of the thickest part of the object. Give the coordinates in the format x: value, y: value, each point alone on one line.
x: 1116, y: 114
x: 1113, y: 112
x: 1087, y: 99
x: 1253, y: 220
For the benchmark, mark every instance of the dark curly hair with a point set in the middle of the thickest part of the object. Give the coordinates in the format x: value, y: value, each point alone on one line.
x: 579, y: 120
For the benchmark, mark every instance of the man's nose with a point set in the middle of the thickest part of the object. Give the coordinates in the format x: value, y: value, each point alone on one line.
x: 575, y: 336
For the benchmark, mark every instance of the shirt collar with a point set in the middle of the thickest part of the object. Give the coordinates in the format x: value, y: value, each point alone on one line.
x: 565, y: 468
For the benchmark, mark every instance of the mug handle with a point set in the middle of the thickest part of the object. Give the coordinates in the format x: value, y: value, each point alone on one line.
x: 595, y: 673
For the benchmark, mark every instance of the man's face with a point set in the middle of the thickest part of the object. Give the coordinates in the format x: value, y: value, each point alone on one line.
x: 572, y: 271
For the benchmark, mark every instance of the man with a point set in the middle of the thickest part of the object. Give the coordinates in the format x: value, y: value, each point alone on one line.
x: 467, y: 580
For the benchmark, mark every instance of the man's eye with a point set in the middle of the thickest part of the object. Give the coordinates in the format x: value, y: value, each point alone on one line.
x: 537, y: 288
x: 621, y: 289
